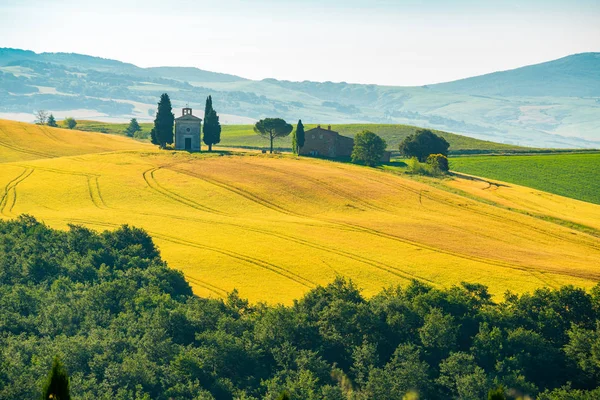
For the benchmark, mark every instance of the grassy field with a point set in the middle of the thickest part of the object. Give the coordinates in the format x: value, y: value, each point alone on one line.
x: 571, y: 175
x: 276, y: 226
x: 243, y: 136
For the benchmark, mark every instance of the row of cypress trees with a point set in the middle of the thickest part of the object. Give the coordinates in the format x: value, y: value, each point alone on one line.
x: 162, y: 133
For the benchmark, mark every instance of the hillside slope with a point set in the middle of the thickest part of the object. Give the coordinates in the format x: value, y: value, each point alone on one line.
x: 573, y: 76
x: 274, y: 227
x: 22, y: 142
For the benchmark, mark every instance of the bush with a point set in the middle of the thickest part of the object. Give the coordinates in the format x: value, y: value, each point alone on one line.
x: 438, y: 163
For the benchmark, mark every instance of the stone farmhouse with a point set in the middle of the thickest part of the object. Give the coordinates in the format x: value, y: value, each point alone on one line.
x: 187, y: 131
x: 319, y: 142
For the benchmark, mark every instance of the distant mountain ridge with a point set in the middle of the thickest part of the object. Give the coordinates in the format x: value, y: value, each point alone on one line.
x: 553, y: 104
x: 577, y: 75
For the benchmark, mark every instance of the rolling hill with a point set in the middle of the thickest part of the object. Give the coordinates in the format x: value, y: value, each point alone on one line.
x: 244, y: 136
x: 276, y: 226
x: 554, y: 104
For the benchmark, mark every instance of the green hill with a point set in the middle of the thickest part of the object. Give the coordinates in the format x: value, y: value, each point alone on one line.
x: 570, y: 175
x: 245, y: 137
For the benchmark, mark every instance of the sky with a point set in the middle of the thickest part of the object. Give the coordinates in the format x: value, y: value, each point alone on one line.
x: 387, y: 42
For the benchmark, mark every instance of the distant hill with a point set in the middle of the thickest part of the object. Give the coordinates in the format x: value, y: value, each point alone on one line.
x: 193, y: 74
x: 573, y: 76
x: 554, y: 104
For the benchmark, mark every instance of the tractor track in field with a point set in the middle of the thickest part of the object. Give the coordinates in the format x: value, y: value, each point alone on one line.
x: 25, y: 151
x: 94, y: 192
x: 93, y: 185
x: 325, y: 185
x: 222, y: 293
x: 240, y: 192
x: 397, y: 272
x: 153, y: 184
x: 425, y: 194
x: 9, y: 197
x: 358, y: 228
x: 238, y: 256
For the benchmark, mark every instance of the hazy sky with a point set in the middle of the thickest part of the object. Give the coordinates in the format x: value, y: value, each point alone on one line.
x: 365, y: 41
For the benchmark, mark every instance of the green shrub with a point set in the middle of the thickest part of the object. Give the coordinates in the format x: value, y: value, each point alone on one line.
x: 438, y: 162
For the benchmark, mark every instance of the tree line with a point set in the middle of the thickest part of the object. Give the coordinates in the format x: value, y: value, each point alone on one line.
x: 42, y: 117
x: 101, y: 316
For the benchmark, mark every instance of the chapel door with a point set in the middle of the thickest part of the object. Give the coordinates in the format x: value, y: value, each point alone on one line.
x: 188, y: 143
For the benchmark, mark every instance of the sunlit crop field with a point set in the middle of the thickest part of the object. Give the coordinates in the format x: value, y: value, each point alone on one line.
x: 275, y: 226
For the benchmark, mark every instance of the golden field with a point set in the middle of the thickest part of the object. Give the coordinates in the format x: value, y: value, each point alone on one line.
x: 275, y: 226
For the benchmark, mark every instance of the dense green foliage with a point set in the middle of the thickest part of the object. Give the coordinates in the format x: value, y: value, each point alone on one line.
x: 300, y: 136
x: 438, y: 162
x: 52, y: 121
x: 162, y: 133
x: 133, y: 128
x: 128, y: 327
x: 368, y: 148
x: 571, y: 175
x: 422, y: 144
x: 57, y: 384
x: 212, y: 126
x: 273, y: 128
x: 70, y: 122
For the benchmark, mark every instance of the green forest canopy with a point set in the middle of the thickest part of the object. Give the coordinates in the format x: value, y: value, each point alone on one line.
x: 126, y: 326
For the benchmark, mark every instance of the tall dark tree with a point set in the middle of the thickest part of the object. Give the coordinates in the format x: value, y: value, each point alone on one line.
x: 212, y: 126
x: 51, y: 121
x: 163, y: 123
x: 56, y: 386
x: 208, y: 107
x: 300, y: 137
x: 273, y: 128
x: 423, y: 143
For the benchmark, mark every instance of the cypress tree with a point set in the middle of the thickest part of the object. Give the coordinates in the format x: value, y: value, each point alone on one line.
x: 299, y: 136
x: 56, y: 386
x: 163, y: 123
x: 212, y: 127
x: 208, y: 107
x: 294, y: 143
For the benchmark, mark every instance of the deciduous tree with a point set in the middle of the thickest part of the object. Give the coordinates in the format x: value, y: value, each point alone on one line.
x: 368, y: 148
x: 70, y: 122
x: 423, y: 143
x: 272, y: 128
x: 41, y: 117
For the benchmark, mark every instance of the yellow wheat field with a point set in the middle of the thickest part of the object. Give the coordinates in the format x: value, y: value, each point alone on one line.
x: 274, y: 227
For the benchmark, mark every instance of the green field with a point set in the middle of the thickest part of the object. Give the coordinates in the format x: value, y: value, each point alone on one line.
x: 244, y: 136
x: 571, y: 175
